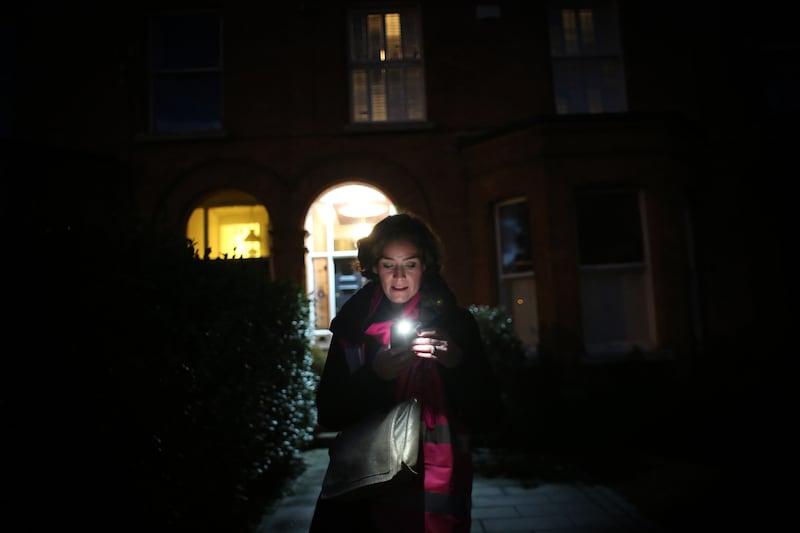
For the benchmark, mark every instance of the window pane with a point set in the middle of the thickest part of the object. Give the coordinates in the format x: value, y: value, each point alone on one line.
x: 570, y: 29
x: 396, y: 94
x: 322, y: 317
x: 375, y: 35
x: 233, y: 231
x: 188, y: 102
x: 518, y: 296
x: 586, y: 17
x: 614, y: 310
x: 348, y: 280
x: 412, y: 48
x: 588, y: 74
x: 377, y: 95
x: 358, y: 38
x: 515, y: 238
x: 568, y: 83
x: 185, y: 41
x: 415, y: 93
x: 589, y: 86
x: 347, y: 230
x: 609, y: 228
x: 360, y: 96
x: 380, y: 93
x: 606, y: 41
x: 394, y: 48
x: 186, y: 82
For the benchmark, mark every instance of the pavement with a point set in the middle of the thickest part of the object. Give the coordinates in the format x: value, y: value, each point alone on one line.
x: 575, y: 504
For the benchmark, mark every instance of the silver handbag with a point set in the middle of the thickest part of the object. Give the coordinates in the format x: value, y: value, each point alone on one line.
x: 368, y: 458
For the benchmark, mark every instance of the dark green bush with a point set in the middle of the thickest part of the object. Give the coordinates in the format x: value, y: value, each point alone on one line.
x: 506, y: 355
x: 185, y: 386
x: 503, y: 346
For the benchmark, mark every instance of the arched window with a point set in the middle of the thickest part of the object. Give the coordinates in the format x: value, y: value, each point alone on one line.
x: 230, y: 224
x: 334, y: 223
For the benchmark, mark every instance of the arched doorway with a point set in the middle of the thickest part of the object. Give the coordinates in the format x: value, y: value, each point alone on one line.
x: 334, y: 223
x: 230, y: 224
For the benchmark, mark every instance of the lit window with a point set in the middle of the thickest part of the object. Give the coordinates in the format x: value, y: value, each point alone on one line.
x: 230, y: 225
x: 185, y: 73
x: 334, y: 224
x: 588, y: 75
x: 387, y: 82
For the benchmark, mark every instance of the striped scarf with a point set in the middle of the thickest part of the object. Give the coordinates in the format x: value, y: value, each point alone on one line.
x: 447, y: 474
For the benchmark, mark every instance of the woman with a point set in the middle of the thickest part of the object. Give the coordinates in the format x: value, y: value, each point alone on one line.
x: 444, y: 366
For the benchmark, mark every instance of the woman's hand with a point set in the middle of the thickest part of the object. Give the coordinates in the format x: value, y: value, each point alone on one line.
x: 389, y: 364
x: 435, y: 344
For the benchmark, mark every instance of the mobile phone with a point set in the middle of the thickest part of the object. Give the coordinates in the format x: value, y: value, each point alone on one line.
x: 403, y: 331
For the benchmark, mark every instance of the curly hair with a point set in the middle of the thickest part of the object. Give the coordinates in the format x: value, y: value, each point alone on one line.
x: 400, y: 227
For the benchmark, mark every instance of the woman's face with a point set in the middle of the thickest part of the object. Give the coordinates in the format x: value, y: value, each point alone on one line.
x: 400, y: 271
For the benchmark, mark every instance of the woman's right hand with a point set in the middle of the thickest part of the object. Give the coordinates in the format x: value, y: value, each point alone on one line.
x: 389, y: 364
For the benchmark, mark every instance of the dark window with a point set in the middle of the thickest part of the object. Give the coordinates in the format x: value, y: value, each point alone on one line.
x: 609, y: 227
x: 588, y: 74
x: 186, y: 72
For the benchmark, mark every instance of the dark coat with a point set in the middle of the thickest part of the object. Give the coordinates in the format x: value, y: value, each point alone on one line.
x: 344, y: 397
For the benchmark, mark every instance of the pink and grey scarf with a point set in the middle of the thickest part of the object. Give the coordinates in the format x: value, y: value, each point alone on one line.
x: 447, y: 475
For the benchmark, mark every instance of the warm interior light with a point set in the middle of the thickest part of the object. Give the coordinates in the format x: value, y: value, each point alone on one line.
x: 351, y: 194
x: 362, y: 209
x: 361, y: 230
x: 253, y: 242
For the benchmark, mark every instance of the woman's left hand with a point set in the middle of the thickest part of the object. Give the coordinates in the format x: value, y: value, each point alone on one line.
x: 435, y: 344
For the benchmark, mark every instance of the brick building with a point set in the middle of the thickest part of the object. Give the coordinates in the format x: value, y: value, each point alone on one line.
x: 589, y: 165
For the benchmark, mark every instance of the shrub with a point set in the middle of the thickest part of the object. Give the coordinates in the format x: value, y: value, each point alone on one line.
x: 185, y: 386
x: 503, y: 346
x: 506, y: 355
